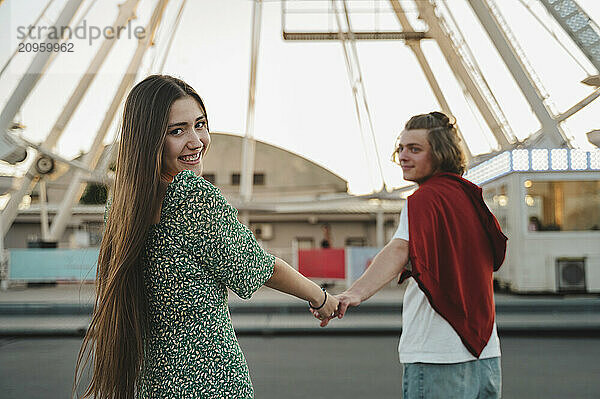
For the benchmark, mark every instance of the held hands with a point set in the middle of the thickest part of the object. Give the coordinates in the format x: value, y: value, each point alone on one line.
x: 327, y: 309
x: 342, y: 302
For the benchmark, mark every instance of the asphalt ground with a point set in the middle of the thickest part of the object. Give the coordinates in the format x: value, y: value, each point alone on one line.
x: 328, y: 366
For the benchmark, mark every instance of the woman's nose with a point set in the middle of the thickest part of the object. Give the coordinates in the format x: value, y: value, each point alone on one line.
x: 199, y: 139
x: 195, y: 139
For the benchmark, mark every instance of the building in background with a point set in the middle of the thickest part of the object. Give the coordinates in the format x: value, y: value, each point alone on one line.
x: 293, y: 198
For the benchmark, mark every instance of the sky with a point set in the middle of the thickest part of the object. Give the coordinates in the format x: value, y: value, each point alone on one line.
x: 304, y: 100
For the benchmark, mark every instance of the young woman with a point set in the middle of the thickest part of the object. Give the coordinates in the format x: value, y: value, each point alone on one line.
x: 171, y: 248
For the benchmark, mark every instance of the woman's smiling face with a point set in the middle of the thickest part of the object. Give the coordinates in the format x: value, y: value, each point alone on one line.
x: 187, y: 138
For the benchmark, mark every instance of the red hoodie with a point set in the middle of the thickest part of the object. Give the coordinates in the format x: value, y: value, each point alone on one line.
x: 455, y: 245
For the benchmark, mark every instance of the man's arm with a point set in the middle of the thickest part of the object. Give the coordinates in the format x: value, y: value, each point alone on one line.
x: 386, y: 266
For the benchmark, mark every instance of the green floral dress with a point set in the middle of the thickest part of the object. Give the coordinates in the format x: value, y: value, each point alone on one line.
x: 197, y: 251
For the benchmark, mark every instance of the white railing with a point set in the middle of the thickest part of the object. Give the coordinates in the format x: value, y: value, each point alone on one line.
x: 535, y: 160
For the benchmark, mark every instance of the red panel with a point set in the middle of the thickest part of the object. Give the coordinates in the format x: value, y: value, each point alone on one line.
x: 322, y: 263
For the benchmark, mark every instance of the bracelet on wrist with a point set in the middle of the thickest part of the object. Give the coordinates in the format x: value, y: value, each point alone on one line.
x: 323, y: 304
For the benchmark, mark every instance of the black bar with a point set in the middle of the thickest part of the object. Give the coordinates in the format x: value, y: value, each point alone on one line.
x: 324, y: 36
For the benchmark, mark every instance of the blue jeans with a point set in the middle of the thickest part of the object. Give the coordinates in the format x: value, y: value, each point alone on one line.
x: 477, y: 379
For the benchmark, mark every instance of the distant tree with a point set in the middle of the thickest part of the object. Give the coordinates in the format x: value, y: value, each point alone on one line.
x: 95, y: 194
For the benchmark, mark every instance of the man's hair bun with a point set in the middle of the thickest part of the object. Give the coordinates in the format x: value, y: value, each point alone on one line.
x: 443, y: 119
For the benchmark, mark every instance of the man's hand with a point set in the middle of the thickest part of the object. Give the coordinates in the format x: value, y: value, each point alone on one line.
x: 346, y: 299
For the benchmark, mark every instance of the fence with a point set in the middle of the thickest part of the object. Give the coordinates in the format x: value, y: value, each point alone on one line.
x: 52, y: 265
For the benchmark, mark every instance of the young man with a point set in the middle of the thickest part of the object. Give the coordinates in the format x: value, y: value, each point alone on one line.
x: 448, y: 245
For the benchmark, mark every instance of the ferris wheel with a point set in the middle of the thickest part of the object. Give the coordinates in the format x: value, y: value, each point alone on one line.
x: 439, y: 25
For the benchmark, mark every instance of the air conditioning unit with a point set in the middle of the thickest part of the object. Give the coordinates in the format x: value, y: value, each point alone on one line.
x: 570, y: 274
x: 262, y: 231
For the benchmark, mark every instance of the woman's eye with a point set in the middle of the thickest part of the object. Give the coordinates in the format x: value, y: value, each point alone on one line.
x: 176, y: 132
x: 414, y: 150
x: 200, y: 124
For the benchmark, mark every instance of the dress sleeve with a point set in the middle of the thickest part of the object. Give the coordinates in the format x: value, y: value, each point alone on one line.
x: 222, y: 244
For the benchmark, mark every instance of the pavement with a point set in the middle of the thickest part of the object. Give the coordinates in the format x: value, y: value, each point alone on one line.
x: 64, y: 310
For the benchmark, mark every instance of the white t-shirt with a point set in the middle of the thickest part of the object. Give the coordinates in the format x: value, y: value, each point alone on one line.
x: 426, y: 336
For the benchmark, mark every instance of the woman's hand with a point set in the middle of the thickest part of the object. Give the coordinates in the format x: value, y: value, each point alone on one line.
x: 328, y: 311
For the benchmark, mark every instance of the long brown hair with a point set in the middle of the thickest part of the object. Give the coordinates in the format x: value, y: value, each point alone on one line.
x: 446, y: 150
x: 119, y: 324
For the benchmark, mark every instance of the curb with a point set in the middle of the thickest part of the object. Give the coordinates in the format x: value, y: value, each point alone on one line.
x: 519, y: 306
x: 377, y: 330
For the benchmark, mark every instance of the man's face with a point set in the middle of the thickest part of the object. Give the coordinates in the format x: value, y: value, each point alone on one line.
x: 187, y: 138
x: 414, y: 155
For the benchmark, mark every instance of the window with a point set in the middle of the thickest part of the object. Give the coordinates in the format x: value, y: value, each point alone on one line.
x: 210, y: 177
x: 258, y: 180
x: 356, y: 242
x: 305, y: 242
x: 562, y: 205
x: 496, y: 198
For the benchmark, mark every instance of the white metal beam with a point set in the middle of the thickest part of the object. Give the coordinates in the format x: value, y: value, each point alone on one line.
x: 40, y: 63
x: 537, y: 137
x: 44, y: 210
x: 466, y: 76
x: 27, y: 182
x: 249, y: 144
x: 553, y: 134
x: 363, y: 113
x: 415, y: 46
x: 35, y: 23
x: 579, y: 106
x: 578, y: 25
x: 76, y: 187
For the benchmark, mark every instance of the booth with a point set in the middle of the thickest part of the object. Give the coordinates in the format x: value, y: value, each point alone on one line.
x: 547, y: 202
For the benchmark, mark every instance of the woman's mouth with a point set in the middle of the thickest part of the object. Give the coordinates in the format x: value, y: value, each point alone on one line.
x: 190, y: 159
